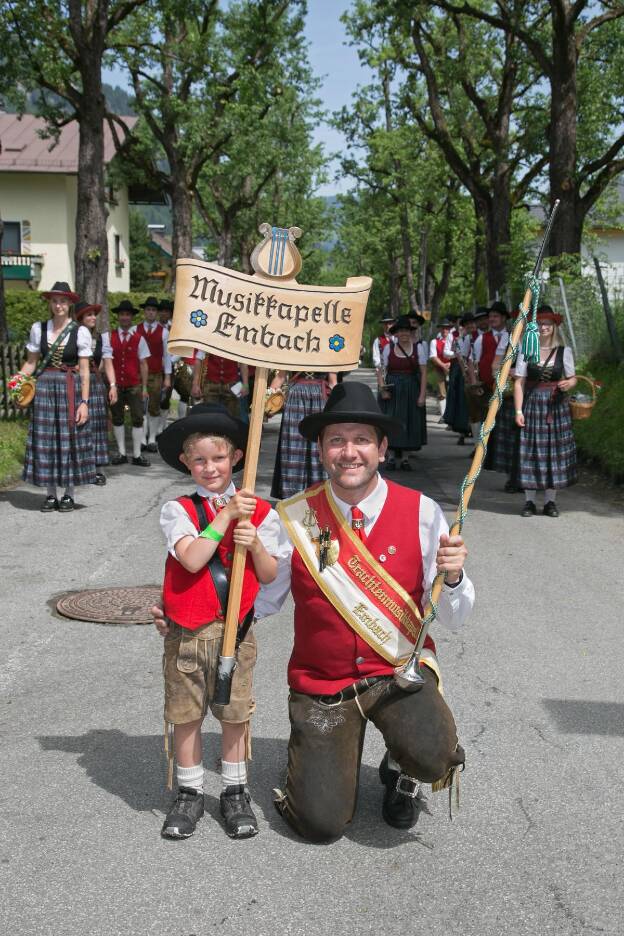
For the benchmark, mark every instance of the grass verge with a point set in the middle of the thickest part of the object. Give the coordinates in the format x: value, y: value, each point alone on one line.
x: 600, y: 439
x: 12, y: 445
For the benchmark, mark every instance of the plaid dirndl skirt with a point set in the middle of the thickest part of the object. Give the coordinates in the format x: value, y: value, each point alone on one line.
x: 297, y: 464
x: 546, y: 450
x: 456, y: 410
x: 503, y: 441
x: 402, y: 406
x: 98, y: 417
x: 54, y: 453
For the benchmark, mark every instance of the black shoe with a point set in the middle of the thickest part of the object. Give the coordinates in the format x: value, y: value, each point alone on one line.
x: 461, y: 440
x: 405, y: 465
x: 141, y: 461
x: 144, y: 446
x: 511, y: 488
x: 49, y: 504
x: 100, y: 479
x: 390, y: 464
x: 399, y: 810
x: 66, y: 503
x: 119, y: 460
x: 550, y: 509
x: 184, y: 814
x: 150, y: 447
x: 529, y: 509
x: 236, y: 810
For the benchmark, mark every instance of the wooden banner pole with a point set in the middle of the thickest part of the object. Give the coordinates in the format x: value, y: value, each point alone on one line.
x: 227, y: 659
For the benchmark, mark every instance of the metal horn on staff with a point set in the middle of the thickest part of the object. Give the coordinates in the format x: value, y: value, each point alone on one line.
x: 408, y: 675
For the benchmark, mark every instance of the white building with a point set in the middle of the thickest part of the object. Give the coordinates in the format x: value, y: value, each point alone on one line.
x: 38, y: 193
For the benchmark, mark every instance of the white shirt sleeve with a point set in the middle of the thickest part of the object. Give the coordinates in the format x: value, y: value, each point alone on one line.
x: 200, y: 355
x: 448, y: 346
x: 422, y: 352
x: 107, y: 349
x: 521, y: 365
x: 476, y: 349
x: 456, y: 603
x: 376, y: 354
x: 385, y: 355
x: 144, y: 351
x: 433, y: 348
x: 271, y: 597
x: 175, y: 523
x: 569, y: 369
x: 34, y: 340
x: 166, y: 355
x: 269, y: 532
x: 84, y: 342
x: 503, y: 341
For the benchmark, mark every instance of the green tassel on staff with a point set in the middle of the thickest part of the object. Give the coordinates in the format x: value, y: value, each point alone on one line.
x: 530, y: 341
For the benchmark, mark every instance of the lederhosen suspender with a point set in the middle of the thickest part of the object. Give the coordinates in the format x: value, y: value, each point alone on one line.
x: 219, y: 575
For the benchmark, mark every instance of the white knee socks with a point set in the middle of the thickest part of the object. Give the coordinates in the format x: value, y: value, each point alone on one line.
x: 154, y: 427
x: 192, y: 777
x: 120, y: 438
x: 137, y: 439
x: 233, y: 774
x: 182, y: 408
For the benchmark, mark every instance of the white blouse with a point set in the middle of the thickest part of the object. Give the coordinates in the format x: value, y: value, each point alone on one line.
x: 569, y: 369
x: 83, y: 338
x: 422, y: 352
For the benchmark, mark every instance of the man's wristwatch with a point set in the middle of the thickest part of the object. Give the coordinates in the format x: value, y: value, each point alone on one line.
x: 86, y: 402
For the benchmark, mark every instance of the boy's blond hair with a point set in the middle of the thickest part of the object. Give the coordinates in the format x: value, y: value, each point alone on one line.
x: 195, y: 437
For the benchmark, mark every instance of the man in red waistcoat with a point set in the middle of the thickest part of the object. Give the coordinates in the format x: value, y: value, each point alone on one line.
x: 130, y: 356
x: 441, y: 363
x: 386, y: 338
x: 215, y: 377
x: 360, y: 558
x: 201, y: 531
x: 158, y: 365
x: 488, y: 350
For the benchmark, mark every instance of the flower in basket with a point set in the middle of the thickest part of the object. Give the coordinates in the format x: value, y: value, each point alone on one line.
x: 21, y: 388
x: 15, y: 384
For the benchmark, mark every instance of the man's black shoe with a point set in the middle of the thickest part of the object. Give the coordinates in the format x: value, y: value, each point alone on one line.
x: 100, y: 479
x: 398, y: 810
x: 550, y: 509
x: 236, y: 810
x: 141, y: 461
x: 119, y: 460
x: 150, y: 447
x: 529, y: 509
x: 66, y: 503
x: 184, y: 814
x: 49, y: 504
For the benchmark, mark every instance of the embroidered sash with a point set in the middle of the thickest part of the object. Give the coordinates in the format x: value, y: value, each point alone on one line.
x: 372, y: 603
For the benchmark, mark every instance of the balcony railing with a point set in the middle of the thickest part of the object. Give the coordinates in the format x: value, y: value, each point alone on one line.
x: 25, y: 267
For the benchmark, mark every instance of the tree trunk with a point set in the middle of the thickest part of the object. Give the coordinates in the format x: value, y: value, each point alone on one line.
x: 498, y: 235
x: 408, y: 261
x: 395, y: 285
x: 91, y: 253
x: 567, y: 232
x: 181, y: 218
x: 4, y: 328
x: 226, y: 244
x: 480, y: 289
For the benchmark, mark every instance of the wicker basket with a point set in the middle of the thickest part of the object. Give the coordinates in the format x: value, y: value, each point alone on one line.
x: 582, y: 409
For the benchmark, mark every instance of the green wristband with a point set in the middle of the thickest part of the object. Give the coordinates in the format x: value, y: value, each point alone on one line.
x: 211, y: 534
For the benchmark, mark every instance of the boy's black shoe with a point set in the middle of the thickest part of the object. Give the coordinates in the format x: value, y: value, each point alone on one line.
x: 49, y: 504
x: 141, y: 461
x: 236, y: 810
x: 119, y: 460
x: 151, y: 447
x: 100, y: 479
x: 184, y: 814
x: 66, y: 503
x: 399, y: 810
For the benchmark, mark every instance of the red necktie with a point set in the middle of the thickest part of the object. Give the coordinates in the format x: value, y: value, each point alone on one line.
x: 357, y: 523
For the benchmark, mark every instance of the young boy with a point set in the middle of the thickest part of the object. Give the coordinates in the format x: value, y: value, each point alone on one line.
x: 200, y: 530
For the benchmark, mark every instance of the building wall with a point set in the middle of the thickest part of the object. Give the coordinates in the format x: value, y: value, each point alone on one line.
x: 45, y: 205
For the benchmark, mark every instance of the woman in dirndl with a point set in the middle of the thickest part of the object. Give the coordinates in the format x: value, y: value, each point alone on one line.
x: 297, y: 464
x: 101, y: 395
x: 546, y: 449
x: 403, y: 393
x: 457, y: 349
x: 59, y: 448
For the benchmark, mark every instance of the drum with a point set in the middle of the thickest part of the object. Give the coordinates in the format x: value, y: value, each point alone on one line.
x: 183, y: 381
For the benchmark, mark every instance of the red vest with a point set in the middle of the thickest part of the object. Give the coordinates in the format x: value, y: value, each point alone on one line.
x: 154, y: 340
x: 383, y: 341
x: 327, y: 654
x: 488, y: 352
x: 126, y: 359
x: 220, y: 370
x: 189, y: 598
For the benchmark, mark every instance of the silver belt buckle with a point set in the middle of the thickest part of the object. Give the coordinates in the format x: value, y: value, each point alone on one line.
x: 408, y: 786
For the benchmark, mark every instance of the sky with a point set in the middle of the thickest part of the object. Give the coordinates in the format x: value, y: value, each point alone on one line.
x: 334, y: 62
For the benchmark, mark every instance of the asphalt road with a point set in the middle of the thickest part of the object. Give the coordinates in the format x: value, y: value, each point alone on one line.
x: 535, y: 682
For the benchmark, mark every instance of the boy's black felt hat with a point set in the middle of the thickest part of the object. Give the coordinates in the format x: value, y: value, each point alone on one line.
x: 209, y: 419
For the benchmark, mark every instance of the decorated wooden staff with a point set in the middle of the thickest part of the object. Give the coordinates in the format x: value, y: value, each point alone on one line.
x: 408, y: 675
x: 270, y: 321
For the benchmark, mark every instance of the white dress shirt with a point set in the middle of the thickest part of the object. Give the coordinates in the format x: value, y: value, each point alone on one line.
x: 449, y: 345
x: 107, y: 350
x: 422, y: 353
x: 83, y: 339
x: 455, y: 603
x: 176, y: 523
x: 377, y: 351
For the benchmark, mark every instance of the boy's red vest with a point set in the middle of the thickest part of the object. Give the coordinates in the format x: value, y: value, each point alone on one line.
x: 154, y: 340
x: 190, y: 598
x: 126, y: 359
x: 489, y: 344
x: 328, y: 655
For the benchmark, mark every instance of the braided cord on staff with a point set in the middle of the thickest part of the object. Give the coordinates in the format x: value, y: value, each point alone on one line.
x: 495, y: 403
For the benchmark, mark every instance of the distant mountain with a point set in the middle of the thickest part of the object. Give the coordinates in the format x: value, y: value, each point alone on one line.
x: 118, y: 100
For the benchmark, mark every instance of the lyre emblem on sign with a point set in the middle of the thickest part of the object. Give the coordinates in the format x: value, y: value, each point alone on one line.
x: 277, y: 256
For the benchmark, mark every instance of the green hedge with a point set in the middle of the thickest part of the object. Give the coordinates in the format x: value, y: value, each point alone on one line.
x: 24, y: 308
x: 600, y: 439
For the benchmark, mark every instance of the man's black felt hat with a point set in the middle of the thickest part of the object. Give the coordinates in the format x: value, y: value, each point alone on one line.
x: 150, y: 301
x: 404, y: 322
x: 209, y: 419
x: 499, y: 307
x: 125, y: 306
x: 349, y: 402
x: 165, y: 305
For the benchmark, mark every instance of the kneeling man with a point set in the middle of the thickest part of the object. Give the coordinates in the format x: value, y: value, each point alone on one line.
x: 360, y: 556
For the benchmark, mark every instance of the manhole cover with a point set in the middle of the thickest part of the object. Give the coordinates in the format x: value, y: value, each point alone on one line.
x: 111, y: 605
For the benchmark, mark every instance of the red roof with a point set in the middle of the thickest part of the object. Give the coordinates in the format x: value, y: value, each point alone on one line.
x: 23, y: 150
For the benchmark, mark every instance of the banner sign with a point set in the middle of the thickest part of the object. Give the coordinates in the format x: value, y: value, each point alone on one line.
x: 268, y: 320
